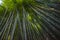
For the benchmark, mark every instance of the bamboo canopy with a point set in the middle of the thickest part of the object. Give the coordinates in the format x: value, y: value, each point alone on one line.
x: 29, y: 19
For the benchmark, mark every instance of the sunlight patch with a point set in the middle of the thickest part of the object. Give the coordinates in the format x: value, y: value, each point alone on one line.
x: 0, y: 2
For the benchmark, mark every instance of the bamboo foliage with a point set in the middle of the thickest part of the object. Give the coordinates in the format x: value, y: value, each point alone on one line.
x: 29, y: 20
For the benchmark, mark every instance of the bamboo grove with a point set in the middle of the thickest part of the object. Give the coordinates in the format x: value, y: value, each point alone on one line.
x: 30, y: 20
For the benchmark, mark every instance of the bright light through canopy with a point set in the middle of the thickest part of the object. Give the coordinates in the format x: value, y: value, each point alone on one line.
x: 0, y: 1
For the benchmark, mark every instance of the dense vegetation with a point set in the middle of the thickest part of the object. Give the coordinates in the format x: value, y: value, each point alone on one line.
x: 30, y: 20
